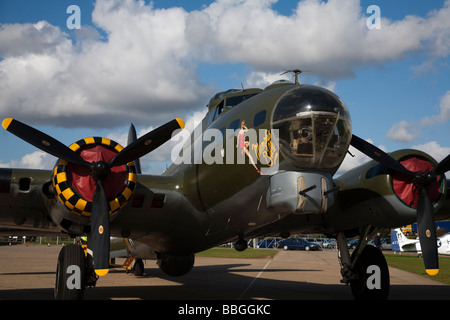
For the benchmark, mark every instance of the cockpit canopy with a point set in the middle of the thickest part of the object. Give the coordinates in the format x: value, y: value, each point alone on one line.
x: 223, y: 101
x: 314, y: 128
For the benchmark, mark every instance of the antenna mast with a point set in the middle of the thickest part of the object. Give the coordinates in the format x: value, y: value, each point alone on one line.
x: 296, y: 73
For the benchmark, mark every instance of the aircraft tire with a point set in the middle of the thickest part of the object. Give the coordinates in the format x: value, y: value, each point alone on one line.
x: 372, y: 284
x: 70, y: 273
x: 138, y: 269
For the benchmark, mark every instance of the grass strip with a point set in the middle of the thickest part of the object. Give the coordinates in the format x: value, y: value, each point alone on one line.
x: 414, y: 264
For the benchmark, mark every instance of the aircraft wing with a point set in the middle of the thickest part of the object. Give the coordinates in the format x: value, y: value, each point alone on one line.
x: 23, y: 203
x: 29, y: 205
x: 411, y: 247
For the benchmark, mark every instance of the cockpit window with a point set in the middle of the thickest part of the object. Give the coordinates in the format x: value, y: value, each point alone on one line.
x: 233, y: 101
x: 212, y: 114
x: 259, y: 118
x: 314, y: 127
x: 224, y: 101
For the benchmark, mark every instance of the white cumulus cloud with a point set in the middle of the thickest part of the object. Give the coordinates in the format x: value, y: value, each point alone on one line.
x: 405, y: 131
x: 144, y: 68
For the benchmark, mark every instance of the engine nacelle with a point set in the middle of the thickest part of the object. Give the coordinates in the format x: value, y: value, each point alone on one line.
x: 385, y: 197
x: 174, y: 265
x: 75, y: 187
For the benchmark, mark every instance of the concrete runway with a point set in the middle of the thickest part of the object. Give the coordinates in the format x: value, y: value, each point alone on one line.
x: 28, y: 273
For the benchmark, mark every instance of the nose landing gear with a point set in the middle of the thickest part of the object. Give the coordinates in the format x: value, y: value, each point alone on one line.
x: 70, y: 273
x: 366, y: 270
x: 74, y: 272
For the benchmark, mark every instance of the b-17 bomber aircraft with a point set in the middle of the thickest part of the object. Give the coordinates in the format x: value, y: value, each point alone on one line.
x: 261, y: 163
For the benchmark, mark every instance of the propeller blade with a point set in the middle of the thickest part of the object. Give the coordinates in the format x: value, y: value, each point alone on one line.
x: 132, y: 137
x: 443, y: 166
x: 147, y: 143
x: 427, y: 233
x: 425, y: 216
x: 42, y: 141
x: 100, y: 230
x: 380, y: 156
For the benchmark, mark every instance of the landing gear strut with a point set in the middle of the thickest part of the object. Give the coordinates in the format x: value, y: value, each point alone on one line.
x: 366, y: 269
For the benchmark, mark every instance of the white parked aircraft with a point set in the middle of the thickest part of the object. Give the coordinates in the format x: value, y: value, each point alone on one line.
x: 402, y: 244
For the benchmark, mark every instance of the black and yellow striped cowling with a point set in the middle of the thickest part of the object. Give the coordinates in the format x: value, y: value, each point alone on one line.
x: 71, y: 199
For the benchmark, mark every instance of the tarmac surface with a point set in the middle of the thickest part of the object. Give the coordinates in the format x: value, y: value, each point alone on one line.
x: 28, y: 273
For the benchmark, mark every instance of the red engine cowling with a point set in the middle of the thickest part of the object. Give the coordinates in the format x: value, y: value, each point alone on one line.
x: 372, y: 194
x: 408, y: 192
x: 75, y: 187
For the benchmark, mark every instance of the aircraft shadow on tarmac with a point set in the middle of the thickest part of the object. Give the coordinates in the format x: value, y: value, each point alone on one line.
x: 26, y: 273
x: 221, y: 282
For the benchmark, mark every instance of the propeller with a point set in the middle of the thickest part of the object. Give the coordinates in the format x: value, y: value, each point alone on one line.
x: 422, y: 181
x: 42, y: 141
x: 132, y: 136
x: 100, y: 230
x: 98, y: 170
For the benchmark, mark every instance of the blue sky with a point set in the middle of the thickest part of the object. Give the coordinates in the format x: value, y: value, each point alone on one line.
x: 147, y: 62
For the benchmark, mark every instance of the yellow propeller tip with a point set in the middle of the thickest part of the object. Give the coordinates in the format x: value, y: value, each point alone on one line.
x: 6, y: 123
x: 101, y: 272
x: 180, y: 122
x: 432, y: 272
